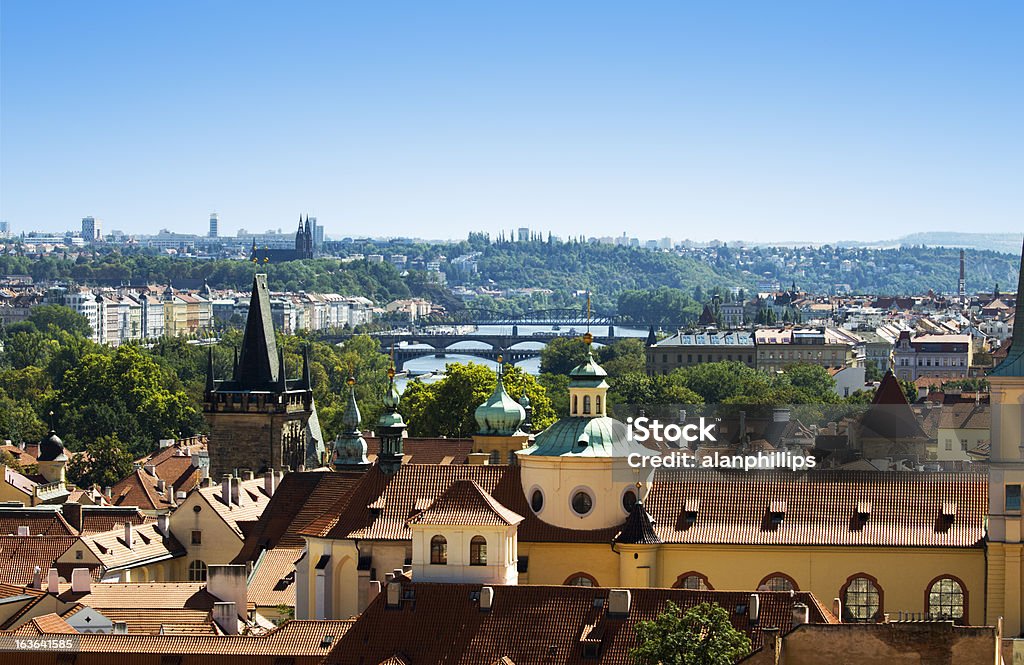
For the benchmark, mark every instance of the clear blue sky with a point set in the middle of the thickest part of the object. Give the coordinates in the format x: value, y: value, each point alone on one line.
x: 788, y: 120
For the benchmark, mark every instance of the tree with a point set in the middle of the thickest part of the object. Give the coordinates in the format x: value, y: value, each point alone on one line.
x: 61, y: 318
x: 702, y: 636
x: 813, y: 384
x: 446, y: 408
x: 18, y: 421
x: 104, y: 463
x: 562, y: 354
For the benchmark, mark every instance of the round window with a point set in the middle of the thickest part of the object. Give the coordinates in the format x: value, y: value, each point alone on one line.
x: 582, y: 503
x: 628, y: 501
x: 537, y: 500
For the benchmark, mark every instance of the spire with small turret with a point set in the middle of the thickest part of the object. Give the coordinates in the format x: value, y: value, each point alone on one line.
x: 391, y: 430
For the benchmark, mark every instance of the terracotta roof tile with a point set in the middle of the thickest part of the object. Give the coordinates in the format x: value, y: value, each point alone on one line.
x: 44, y: 625
x: 19, y: 555
x: 148, y: 545
x: 820, y: 508
x: 537, y: 624
x: 39, y: 522
x: 97, y: 519
x: 309, y: 641
x: 298, y: 500
x: 272, y: 581
x: 254, y: 500
x: 425, y: 450
x: 465, y: 502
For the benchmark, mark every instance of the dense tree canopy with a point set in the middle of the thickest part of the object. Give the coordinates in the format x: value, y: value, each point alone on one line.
x: 703, y: 635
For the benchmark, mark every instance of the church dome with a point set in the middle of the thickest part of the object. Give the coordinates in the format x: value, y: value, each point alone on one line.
x: 51, y: 448
x: 500, y: 415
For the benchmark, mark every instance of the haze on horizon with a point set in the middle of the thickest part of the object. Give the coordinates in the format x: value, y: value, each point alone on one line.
x: 754, y: 121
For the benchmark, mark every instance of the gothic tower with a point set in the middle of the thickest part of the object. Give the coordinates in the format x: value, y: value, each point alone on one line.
x: 1005, y: 577
x: 259, y: 418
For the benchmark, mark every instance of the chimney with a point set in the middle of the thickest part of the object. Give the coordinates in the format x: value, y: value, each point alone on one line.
x: 770, y: 637
x: 205, y: 482
x: 225, y: 489
x: 837, y: 608
x: 619, y: 601
x: 80, y: 580
x: 478, y: 459
x: 389, y: 578
x: 161, y: 485
x: 72, y: 512
x: 800, y: 614
x: 247, y: 474
x: 226, y: 617
x: 120, y: 628
x: 23, y: 531
x: 285, y: 469
x: 228, y: 583
x: 129, y: 541
x: 394, y: 598
x: 486, y: 598
x: 236, y: 491
x: 163, y: 524
x: 269, y: 483
x: 52, y: 581
x: 107, y: 491
x: 150, y: 469
x: 755, y: 607
x: 37, y: 578
x: 374, y: 590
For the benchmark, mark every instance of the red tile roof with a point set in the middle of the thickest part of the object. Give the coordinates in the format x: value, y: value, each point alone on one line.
x: 19, y: 555
x: 272, y: 581
x: 734, y: 507
x: 44, y: 625
x: 299, y: 499
x: 425, y: 450
x: 306, y: 641
x: 39, y: 522
x: 536, y: 624
x: 465, y: 502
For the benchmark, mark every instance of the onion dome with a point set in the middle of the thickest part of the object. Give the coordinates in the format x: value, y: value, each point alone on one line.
x: 51, y: 448
x: 588, y: 374
x: 524, y: 401
x: 500, y: 415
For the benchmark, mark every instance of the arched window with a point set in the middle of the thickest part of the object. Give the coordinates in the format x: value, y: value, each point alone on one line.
x: 478, y: 551
x: 580, y: 579
x: 575, y: 405
x: 778, y: 582
x: 946, y: 598
x: 438, y: 551
x: 598, y: 402
x: 693, y: 580
x: 197, y: 571
x: 586, y: 404
x: 495, y: 457
x: 862, y: 598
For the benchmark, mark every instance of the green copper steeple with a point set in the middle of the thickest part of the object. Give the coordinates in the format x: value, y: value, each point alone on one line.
x: 1013, y: 364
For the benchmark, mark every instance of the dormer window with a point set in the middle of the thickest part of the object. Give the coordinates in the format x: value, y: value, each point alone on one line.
x: 777, y: 511
x: 863, y: 510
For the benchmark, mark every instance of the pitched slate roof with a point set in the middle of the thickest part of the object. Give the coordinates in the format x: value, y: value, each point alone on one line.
x: 639, y: 527
x: 889, y: 415
x: 465, y: 502
x: 536, y: 624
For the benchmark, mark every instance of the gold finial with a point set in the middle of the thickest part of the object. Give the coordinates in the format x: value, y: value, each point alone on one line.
x: 501, y: 359
x: 391, y: 372
x: 587, y: 337
x: 351, y: 381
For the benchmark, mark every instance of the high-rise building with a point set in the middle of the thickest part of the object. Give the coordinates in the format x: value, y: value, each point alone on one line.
x: 5, y: 229
x: 213, y: 225
x: 91, y: 229
x: 318, y: 232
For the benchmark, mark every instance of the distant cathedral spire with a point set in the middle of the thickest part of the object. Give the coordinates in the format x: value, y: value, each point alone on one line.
x: 1013, y: 363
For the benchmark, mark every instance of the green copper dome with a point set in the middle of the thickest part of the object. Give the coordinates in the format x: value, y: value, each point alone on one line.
x: 588, y: 374
x: 391, y: 417
x: 500, y: 415
x: 350, y: 446
x: 581, y: 437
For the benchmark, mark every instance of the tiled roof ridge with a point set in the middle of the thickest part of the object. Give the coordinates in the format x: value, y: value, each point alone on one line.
x: 462, y: 491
